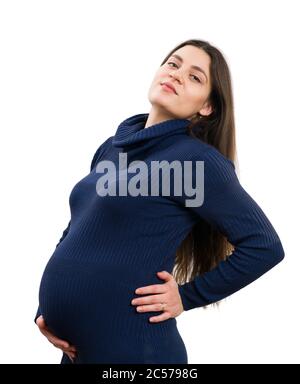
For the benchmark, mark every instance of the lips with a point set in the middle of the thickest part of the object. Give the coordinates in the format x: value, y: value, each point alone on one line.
x: 169, y: 85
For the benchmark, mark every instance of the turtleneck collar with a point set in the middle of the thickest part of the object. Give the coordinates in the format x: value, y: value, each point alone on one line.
x: 132, y: 130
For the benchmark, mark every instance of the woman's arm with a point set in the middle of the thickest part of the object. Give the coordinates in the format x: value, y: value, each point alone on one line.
x: 257, y: 247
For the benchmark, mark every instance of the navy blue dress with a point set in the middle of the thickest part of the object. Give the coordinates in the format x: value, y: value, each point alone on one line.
x: 115, y: 244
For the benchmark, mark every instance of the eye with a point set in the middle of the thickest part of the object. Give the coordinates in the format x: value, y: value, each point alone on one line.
x: 171, y: 62
x: 196, y: 78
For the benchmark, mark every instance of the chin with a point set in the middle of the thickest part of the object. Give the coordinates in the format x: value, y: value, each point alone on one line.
x: 160, y: 100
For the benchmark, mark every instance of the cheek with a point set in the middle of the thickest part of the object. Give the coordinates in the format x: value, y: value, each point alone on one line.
x: 190, y: 100
x: 158, y: 77
x: 161, y: 73
x: 195, y: 96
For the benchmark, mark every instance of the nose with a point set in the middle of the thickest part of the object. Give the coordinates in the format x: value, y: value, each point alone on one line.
x: 176, y: 75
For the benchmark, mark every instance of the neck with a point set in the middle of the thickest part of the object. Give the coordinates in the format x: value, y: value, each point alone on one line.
x: 157, y: 116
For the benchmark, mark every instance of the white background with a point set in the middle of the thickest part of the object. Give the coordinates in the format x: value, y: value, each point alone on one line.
x: 70, y: 72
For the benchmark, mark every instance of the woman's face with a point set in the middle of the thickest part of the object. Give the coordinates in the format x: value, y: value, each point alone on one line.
x: 192, y: 86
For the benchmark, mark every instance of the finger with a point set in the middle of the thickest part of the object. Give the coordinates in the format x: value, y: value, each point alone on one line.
x: 157, y: 319
x: 165, y: 275
x: 149, y: 308
x: 153, y: 299
x: 72, y: 354
x: 70, y: 357
x: 59, y: 343
x: 40, y: 322
x: 66, y: 351
x: 157, y: 288
x: 72, y: 348
x: 54, y: 339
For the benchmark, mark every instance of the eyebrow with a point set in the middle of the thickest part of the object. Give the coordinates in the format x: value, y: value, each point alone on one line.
x: 192, y: 66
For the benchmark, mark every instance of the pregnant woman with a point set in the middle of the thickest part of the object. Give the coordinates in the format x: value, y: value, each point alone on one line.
x: 131, y: 227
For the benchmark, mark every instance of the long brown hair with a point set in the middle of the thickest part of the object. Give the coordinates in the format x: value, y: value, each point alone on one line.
x: 204, y: 247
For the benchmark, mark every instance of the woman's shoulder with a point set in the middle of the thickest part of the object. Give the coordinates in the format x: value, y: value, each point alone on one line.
x: 219, y: 170
x: 200, y: 150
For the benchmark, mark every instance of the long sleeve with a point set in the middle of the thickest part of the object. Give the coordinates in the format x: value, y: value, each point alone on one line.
x: 257, y: 247
x: 99, y: 152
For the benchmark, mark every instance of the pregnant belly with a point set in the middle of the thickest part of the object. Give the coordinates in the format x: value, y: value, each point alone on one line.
x: 87, y: 302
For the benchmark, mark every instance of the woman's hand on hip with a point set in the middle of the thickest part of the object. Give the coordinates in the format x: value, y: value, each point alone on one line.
x: 68, y: 349
x: 165, y: 298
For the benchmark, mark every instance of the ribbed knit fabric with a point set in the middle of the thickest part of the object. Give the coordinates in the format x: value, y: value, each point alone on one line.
x: 115, y: 244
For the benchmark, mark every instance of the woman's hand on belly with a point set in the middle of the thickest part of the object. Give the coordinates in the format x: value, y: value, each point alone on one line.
x: 166, y: 298
x: 68, y: 349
